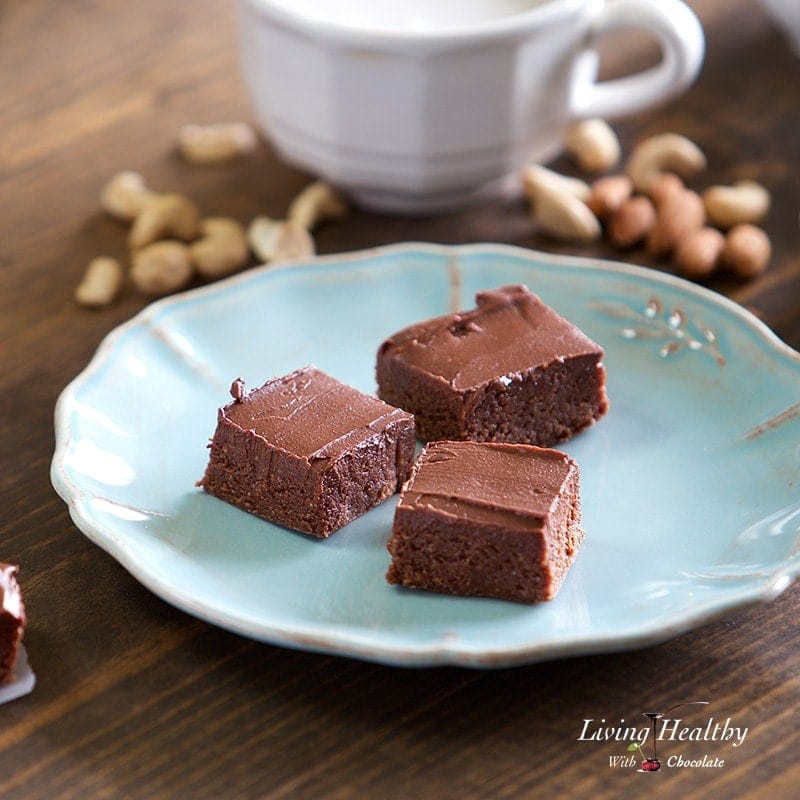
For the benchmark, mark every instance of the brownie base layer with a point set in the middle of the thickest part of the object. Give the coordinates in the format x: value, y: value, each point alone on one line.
x: 9, y: 646
x: 485, y: 561
x: 12, y: 621
x: 543, y: 407
x: 317, y: 497
x: 308, y: 452
x: 511, y: 370
x: 465, y: 532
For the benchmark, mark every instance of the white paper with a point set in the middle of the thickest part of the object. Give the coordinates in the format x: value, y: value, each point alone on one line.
x: 23, y: 683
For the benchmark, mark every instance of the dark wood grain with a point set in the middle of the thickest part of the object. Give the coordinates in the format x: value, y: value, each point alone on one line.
x: 136, y: 699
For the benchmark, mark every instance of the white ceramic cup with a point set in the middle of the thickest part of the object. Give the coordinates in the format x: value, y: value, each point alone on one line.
x: 414, y: 106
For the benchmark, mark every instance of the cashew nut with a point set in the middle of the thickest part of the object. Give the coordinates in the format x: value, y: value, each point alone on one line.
x: 100, y: 283
x: 318, y: 202
x: 279, y: 240
x: 222, y: 248
x: 747, y: 250
x: 745, y: 201
x: 563, y: 216
x: 161, y: 268
x: 593, y: 145
x: 539, y: 180
x: 126, y: 195
x: 216, y: 144
x: 169, y: 215
x: 666, y: 152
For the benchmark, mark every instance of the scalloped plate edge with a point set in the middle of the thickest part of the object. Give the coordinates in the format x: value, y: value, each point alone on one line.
x: 343, y: 643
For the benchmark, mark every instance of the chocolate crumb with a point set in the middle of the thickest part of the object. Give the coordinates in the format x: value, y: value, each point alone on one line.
x: 237, y: 390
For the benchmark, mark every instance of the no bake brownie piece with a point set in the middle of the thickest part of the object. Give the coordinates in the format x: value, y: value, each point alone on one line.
x: 308, y: 452
x: 12, y: 621
x: 510, y: 370
x: 493, y: 520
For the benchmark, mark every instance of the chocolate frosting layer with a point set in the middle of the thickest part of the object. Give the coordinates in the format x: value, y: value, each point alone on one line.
x: 509, y: 332
x: 513, y: 484
x: 308, y: 413
x: 10, y: 595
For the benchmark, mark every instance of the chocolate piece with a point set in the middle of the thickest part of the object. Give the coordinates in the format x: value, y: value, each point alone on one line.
x: 12, y: 621
x: 494, y: 520
x: 511, y: 370
x: 308, y: 452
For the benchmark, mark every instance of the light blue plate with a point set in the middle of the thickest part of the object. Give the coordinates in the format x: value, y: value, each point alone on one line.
x: 690, y: 484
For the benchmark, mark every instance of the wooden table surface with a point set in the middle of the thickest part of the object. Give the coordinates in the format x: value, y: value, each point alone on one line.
x: 136, y: 699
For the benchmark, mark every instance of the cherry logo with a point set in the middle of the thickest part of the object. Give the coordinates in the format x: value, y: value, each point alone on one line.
x: 652, y: 764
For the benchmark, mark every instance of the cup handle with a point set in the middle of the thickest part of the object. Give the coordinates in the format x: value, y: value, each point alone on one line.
x: 682, y: 45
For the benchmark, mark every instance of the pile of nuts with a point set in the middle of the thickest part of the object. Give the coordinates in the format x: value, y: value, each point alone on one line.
x: 170, y: 242
x: 650, y: 203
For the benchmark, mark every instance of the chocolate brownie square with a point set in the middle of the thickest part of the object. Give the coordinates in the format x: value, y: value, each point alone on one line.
x: 510, y: 370
x: 486, y: 519
x: 12, y: 621
x: 308, y: 452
